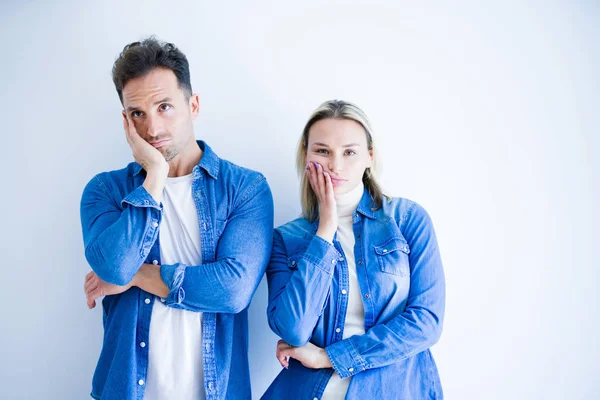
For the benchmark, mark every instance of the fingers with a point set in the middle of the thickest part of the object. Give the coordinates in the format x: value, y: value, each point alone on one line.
x: 321, y: 180
x: 329, y: 188
x: 310, y: 174
x: 92, y: 296
x: 130, y: 131
x: 283, y: 361
x: 92, y: 289
x: 284, y: 356
x: 89, y: 287
x: 280, y: 354
x: 281, y: 345
x: 90, y: 280
x: 91, y: 304
x: 316, y: 177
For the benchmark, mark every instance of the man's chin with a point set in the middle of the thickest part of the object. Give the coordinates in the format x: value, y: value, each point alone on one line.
x: 169, y: 153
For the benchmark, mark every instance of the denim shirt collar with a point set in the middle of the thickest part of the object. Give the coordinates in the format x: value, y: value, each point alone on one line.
x: 364, y: 207
x: 209, y: 162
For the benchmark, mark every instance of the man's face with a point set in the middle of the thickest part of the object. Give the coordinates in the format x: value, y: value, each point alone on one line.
x: 160, y: 110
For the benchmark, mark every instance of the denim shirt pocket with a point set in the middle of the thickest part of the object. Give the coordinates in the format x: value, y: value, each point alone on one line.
x: 392, y: 256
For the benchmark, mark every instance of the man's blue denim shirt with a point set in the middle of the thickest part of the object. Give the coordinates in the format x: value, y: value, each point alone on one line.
x: 403, y: 292
x: 121, y: 224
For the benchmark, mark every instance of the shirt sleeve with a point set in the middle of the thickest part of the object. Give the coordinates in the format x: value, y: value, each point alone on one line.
x: 117, y: 234
x: 299, y: 288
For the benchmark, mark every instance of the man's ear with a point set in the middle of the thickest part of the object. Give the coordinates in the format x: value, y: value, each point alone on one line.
x: 194, y: 103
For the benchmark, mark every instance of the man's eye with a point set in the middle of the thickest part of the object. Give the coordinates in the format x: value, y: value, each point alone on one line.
x: 136, y: 114
x: 351, y: 152
x: 165, y: 107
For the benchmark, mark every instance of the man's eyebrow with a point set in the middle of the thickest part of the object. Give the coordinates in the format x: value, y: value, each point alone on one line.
x: 165, y: 100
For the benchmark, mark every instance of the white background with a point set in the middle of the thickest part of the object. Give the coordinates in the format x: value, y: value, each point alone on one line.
x: 485, y: 114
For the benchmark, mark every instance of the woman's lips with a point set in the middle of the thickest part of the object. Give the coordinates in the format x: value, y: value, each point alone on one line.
x: 337, y: 181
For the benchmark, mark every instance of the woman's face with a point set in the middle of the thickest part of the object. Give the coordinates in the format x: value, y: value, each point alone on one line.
x: 340, y: 146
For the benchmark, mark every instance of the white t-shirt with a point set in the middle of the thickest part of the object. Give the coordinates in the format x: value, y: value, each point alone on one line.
x: 175, y: 342
x: 354, y: 323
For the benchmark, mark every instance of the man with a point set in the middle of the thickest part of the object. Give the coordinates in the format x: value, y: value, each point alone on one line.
x: 178, y: 242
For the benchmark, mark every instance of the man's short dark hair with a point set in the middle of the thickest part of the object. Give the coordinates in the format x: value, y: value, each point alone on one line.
x: 139, y: 58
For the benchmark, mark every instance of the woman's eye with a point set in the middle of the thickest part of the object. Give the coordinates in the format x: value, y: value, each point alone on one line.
x: 322, y: 151
x: 350, y: 152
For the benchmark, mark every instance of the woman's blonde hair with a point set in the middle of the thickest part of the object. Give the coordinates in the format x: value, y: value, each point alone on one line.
x: 337, y: 109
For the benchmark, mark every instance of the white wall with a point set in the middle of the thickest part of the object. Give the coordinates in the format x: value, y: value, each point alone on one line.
x: 486, y: 114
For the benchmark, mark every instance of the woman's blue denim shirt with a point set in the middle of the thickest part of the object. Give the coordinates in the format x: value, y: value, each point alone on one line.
x: 403, y: 292
x: 121, y: 221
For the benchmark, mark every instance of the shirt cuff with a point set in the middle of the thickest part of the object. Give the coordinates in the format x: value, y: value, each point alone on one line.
x: 322, y: 254
x: 141, y: 198
x: 172, y: 276
x: 345, y: 359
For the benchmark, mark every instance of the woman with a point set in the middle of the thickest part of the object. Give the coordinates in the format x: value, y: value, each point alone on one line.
x: 356, y: 286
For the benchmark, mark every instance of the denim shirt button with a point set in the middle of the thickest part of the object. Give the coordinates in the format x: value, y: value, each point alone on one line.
x: 367, y: 295
x: 141, y: 382
x: 162, y: 300
x: 142, y: 344
x: 146, y: 202
x: 341, y: 258
x: 338, y: 330
x: 147, y: 301
x: 155, y: 262
x: 155, y: 224
x: 385, y: 250
x: 350, y: 369
x: 210, y: 386
x: 344, y: 291
x: 333, y: 261
x: 316, y: 398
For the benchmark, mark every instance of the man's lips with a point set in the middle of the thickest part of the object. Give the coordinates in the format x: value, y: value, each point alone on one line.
x: 160, y: 143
